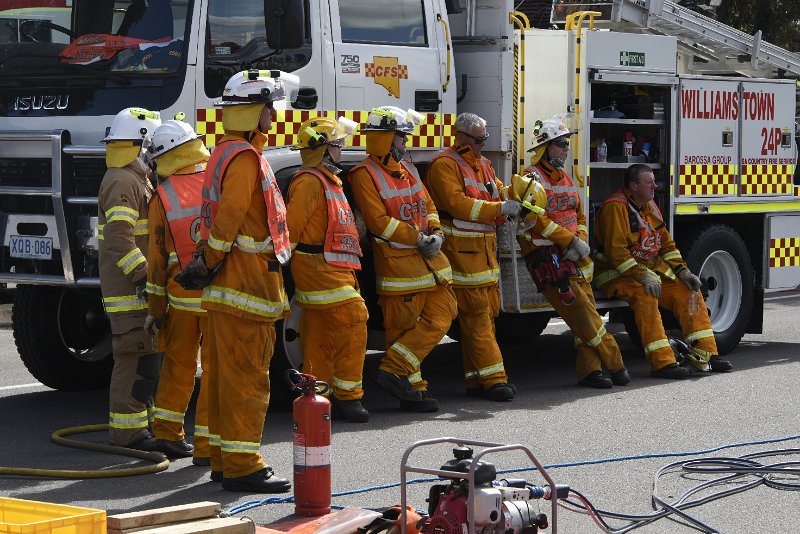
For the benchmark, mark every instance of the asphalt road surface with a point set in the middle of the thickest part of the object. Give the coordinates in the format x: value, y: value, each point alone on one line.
x: 562, y: 425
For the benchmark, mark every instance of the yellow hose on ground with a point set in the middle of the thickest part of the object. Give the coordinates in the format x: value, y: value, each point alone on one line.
x: 161, y: 462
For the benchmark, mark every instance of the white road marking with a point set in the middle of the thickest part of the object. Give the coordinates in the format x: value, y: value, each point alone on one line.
x: 23, y: 386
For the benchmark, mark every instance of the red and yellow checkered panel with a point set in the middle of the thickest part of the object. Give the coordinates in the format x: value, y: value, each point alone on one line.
x: 707, y: 180
x: 784, y: 252
x: 767, y: 179
x: 436, y: 132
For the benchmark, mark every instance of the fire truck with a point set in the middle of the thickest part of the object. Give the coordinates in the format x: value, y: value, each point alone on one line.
x: 710, y: 109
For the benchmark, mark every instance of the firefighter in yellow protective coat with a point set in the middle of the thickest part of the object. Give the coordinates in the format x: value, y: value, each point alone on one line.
x: 174, y: 220
x: 471, y: 203
x: 556, y: 252
x: 326, y: 255
x: 413, y: 275
x: 244, y: 241
x: 637, y: 261
x: 122, y: 234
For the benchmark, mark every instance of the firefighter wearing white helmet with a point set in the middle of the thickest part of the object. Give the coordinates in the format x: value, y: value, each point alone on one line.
x: 122, y: 234
x: 174, y: 220
x: 244, y: 241
x: 326, y: 257
x: 557, y: 255
x: 472, y: 201
x: 413, y: 275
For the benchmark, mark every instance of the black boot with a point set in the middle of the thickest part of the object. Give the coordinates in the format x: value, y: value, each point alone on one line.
x: 175, y: 449
x: 426, y: 404
x: 595, y: 379
x: 673, y: 372
x: 263, y: 481
x: 350, y: 410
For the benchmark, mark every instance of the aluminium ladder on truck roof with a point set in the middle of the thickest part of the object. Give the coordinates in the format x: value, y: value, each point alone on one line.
x: 705, y: 37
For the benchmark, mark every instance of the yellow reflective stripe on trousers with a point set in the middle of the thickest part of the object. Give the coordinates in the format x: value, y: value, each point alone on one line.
x: 123, y: 303
x: 100, y: 231
x: 141, y: 226
x: 475, y: 279
x: 700, y: 334
x: 214, y: 440
x: 491, y: 370
x: 346, y: 385
x: 131, y: 260
x: 191, y: 304
x: 327, y: 296
x: 201, y: 431
x: 128, y: 420
x: 168, y: 415
x: 122, y: 213
x: 406, y: 353
x: 471, y: 374
x: 153, y: 289
x: 240, y: 447
x: 405, y: 284
x: 415, y: 378
x: 597, y: 338
x: 243, y: 301
x: 655, y: 345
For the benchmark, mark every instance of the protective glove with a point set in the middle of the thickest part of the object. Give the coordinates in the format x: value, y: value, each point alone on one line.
x: 577, y: 249
x: 152, y: 324
x: 651, y: 283
x: 510, y: 207
x: 432, y: 245
x: 141, y: 289
x: 196, y: 275
x: 690, y: 280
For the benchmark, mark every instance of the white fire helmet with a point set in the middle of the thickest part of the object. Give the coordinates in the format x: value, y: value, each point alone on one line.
x: 259, y: 86
x: 171, y: 134
x: 133, y: 124
x: 547, y: 130
x: 391, y: 118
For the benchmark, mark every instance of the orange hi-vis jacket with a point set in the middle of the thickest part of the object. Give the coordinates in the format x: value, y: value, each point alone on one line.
x: 469, y: 197
x: 174, y: 216
x: 324, y: 238
x: 631, y: 240
x: 396, y: 208
x: 244, y: 224
x: 563, y: 218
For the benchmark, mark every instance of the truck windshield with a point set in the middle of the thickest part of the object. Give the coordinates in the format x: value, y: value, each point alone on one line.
x: 46, y: 38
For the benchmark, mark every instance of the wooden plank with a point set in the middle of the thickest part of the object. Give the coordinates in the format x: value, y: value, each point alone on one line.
x: 159, y: 516
x: 217, y: 525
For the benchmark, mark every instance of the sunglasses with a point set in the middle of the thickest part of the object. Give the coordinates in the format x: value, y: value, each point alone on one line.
x: 398, y: 133
x: 562, y: 144
x: 478, y: 140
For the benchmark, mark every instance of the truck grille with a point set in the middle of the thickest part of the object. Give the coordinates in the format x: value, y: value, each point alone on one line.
x: 87, y: 175
x: 26, y: 172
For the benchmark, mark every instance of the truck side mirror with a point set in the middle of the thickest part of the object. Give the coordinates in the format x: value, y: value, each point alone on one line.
x: 285, y: 23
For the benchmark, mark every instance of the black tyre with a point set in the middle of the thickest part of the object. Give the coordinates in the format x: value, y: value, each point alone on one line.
x: 519, y: 328
x: 63, y: 337
x: 719, y: 255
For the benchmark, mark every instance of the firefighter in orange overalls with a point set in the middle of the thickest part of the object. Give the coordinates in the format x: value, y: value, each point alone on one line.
x: 637, y: 261
x: 326, y: 256
x: 244, y: 241
x: 471, y: 202
x: 174, y: 217
x: 556, y: 252
x: 413, y: 275
x: 122, y: 234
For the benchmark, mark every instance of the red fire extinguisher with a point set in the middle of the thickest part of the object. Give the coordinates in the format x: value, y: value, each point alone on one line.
x: 311, y: 414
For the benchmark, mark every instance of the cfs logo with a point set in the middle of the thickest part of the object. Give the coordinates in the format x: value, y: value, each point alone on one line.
x: 345, y: 216
x: 407, y: 210
x: 194, y: 230
x: 387, y: 72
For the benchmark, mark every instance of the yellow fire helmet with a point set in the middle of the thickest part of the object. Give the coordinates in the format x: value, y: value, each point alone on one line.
x: 528, y: 191
x: 320, y: 131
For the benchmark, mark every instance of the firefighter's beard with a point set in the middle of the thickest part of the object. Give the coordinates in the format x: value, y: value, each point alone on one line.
x: 397, y: 153
x: 558, y: 163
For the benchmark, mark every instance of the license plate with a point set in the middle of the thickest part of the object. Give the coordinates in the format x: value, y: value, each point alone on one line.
x: 31, y: 247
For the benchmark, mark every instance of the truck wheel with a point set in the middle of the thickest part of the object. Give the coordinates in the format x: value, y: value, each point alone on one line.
x: 719, y: 255
x: 63, y: 337
x: 519, y: 328
x: 287, y: 356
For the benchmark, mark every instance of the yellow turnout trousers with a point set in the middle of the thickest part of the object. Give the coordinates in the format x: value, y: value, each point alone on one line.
x: 594, y: 345
x: 696, y: 328
x: 483, y: 362
x: 239, y: 352
x: 179, y: 340
x: 415, y: 323
x: 334, y: 342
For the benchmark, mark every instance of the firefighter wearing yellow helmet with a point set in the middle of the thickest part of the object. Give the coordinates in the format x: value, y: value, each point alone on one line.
x: 122, y: 234
x: 326, y: 256
x: 244, y: 241
x: 557, y: 255
x: 174, y: 218
x: 413, y: 275
x: 472, y: 202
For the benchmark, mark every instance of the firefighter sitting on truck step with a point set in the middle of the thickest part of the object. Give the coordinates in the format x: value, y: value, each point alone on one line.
x: 413, y: 275
x: 326, y: 255
x: 637, y: 261
x: 244, y: 241
x: 471, y: 203
x: 122, y: 235
x: 174, y: 219
x: 556, y: 252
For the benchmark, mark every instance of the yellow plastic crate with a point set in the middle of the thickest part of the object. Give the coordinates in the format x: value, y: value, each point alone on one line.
x: 18, y: 516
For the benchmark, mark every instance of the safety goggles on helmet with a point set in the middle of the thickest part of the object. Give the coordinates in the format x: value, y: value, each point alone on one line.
x: 171, y: 134
x: 133, y: 124
x: 320, y: 131
x: 391, y: 118
x: 259, y: 87
x: 548, y: 130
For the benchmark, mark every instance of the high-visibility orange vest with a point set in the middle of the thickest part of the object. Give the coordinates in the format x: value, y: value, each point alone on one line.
x: 474, y: 188
x: 341, y: 247
x: 276, y: 210
x: 649, y: 238
x: 182, y: 197
x: 404, y: 199
x: 562, y: 203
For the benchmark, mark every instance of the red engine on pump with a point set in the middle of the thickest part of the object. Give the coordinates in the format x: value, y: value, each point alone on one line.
x: 450, y: 515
